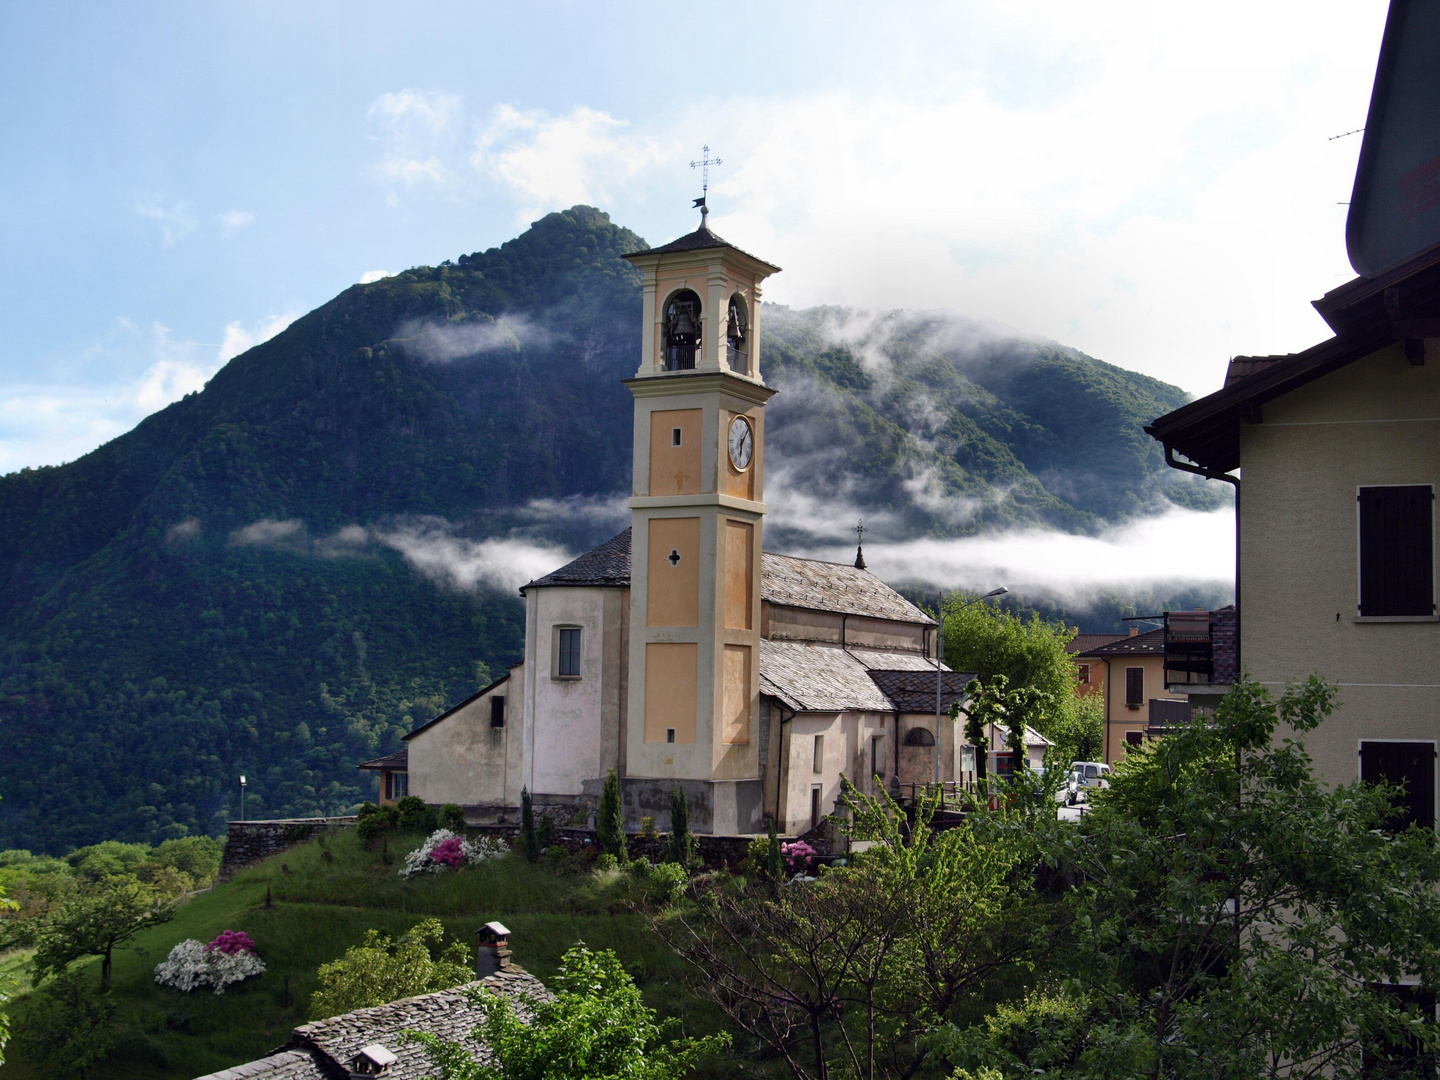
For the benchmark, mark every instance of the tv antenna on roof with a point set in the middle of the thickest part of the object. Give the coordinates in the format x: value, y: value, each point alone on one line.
x: 704, y: 166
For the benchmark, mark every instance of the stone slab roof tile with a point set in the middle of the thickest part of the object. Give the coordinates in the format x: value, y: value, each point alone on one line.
x: 448, y: 1014
x: 913, y: 691
x: 827, y: 586
x: 606, y: 565
x: 888, y: 660
x: 818, y: 678
x: 285, y: 1065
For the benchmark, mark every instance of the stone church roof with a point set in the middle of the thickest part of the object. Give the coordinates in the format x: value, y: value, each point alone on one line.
x: 320, y: 1051
x: 699, y: 240
x: 784, y: 579
x: 809, y: 677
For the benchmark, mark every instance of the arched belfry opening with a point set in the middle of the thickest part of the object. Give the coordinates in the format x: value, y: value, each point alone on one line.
x: 682, y: 331
x: 737, y: 335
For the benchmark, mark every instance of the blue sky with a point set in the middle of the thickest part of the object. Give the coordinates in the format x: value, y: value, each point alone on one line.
x: 177, y: 181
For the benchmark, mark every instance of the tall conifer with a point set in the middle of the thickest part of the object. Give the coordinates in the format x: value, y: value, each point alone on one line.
x: 529, y: 845
x: 610, y: 827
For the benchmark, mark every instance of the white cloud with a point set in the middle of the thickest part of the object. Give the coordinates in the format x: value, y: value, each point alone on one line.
x: 417, y: 131
x: 232, y: 221
x: 371, y: 276
x: 1180, y: 546
x: 443, y: 342
x: 169, y: 380
x: 268, y: 532
x: 183, y: 530
x: 237, y: 339
x: 548, y: 162
x: 176, y: 220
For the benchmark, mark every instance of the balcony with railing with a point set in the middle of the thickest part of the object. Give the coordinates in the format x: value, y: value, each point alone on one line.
x: 1200, y: 650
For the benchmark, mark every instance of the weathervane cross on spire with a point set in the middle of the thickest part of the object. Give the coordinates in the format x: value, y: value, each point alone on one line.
x: 859, y: 531
x: 704, y: 166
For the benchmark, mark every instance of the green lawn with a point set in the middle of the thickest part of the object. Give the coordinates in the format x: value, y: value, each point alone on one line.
x: 319, y: 907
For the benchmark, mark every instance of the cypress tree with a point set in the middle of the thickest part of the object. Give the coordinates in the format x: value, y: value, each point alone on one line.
x: 529, y: 846
x: 610, y: 827
x: 774, y: 865
x: 682, y: 844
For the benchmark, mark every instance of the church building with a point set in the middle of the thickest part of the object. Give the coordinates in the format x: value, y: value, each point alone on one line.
x: 680, y: 653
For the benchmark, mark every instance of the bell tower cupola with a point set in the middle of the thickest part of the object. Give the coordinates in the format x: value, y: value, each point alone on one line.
x: 697, y: 513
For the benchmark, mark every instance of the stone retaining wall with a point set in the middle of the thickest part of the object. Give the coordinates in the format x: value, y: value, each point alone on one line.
x: 248, y: 842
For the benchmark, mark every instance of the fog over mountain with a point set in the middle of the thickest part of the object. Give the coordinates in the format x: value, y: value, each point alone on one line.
x: 281, y: 574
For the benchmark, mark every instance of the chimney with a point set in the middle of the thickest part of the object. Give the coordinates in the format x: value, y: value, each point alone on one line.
x: 1134, y: 631
x: 492, y: 953
x: 372, y: 1060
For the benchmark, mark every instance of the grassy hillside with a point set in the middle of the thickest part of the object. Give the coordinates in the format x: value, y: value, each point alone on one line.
x: 280, y: 574
x: 320, y: 908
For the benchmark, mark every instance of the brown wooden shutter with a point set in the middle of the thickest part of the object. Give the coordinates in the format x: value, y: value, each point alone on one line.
x: 1396, y: 554
x: 1134, y: 685
x: 1411, y: 764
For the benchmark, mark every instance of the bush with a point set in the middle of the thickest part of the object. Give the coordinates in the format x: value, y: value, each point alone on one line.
x: 379, y: 971
x: 444, y: 850
x: 546, y: 833
x: 414, y: 815
x: 452, y: 817
x: 683, y: 846
x: 757, y: 859
x: 69, y: 1027
x: 647, y: 828
x: 639, y: 868
x: 797, y: 857
x: 606, y: 862
x: 229, y: 959
x: 556, y: 857
x: 666, y: 883
x: 373, y: 822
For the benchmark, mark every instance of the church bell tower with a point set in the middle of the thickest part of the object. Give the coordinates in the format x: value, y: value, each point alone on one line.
x: 697, y: 511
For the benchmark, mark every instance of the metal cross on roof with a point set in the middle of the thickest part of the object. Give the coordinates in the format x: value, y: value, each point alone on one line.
x: 859, y: 532
x: 704, y: 166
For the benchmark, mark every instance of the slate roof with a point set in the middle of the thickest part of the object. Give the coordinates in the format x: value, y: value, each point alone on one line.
x: 888, y: 660
x: 1150, y: 643
x: 839, y: 587
x: 701, y: 239
x: 818, y: 678
x: 784, y: 579
x: 608, y: 564
x: 914, y: 691
x: 809, y: 677
x: 1086, y: 644
x: 320, y: 1050
x: 398, y: 760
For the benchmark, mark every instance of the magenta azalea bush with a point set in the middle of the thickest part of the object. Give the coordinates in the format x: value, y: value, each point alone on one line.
x: 443, y: 850
x: 231, y: 942
x: 797, y: 856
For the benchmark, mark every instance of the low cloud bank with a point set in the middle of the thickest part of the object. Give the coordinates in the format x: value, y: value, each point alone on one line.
x: 1180, y: 546
x: 431, y: 545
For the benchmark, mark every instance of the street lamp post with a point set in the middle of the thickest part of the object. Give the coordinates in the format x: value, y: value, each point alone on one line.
x: 242, y: 796
x: 940, y: 668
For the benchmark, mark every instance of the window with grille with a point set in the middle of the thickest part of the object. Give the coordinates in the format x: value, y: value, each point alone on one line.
x: 567, y: 661
x: 1397, y: 564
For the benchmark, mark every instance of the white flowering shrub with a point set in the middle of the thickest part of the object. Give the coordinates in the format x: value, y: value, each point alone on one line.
x: 193, y: 964
x: 443, y: 850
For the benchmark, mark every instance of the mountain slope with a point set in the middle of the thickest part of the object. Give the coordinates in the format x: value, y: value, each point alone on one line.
x: 280, y: 574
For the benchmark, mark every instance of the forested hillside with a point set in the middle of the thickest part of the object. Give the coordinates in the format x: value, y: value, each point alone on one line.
x: 281, y: 574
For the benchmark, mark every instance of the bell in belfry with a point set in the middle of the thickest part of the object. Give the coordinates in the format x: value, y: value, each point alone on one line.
x: 682, y: 319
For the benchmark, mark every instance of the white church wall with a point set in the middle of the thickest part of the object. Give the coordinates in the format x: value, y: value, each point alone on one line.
x: 844, y: 747
x: 465, y: 759
x: 563, y: 714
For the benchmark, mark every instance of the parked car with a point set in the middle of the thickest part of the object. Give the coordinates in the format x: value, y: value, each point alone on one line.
x: 1084, y: 776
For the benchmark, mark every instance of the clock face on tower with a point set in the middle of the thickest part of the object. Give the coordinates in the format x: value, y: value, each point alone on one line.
x: 742, y: 443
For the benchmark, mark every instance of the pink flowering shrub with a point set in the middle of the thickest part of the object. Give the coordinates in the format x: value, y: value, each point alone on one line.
x: 231, y: 942
x: 450, y: 852
x: 797, y: 856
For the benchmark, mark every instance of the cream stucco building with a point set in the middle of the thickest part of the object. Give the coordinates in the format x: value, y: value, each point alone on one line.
x: 680, y: 653
x: 1337, y: 451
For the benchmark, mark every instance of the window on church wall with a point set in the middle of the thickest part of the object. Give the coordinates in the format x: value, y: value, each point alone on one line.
x: 737, y: 335
x: 567, y: 652
x: 497, y: 711
x: 682, y: 331
x: 818, y: 762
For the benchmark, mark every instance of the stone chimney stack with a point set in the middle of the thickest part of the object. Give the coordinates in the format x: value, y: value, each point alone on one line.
x: 492, y: 953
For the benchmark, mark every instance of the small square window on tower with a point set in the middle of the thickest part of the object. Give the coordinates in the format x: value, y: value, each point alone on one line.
x: 674, y: 436
x: 669, y: 734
